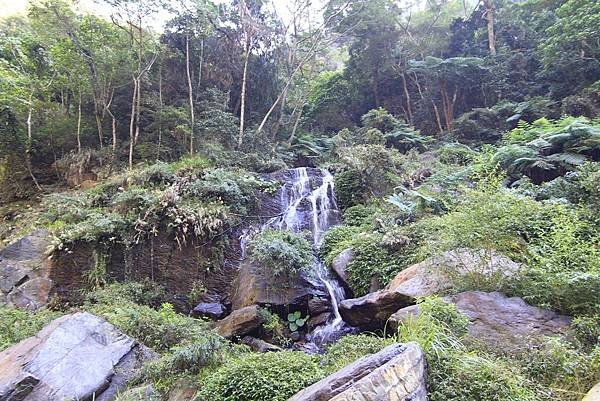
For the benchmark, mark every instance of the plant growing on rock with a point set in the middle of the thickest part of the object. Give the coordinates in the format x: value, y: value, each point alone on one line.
x: 281, y: 253
x: 296, y: 321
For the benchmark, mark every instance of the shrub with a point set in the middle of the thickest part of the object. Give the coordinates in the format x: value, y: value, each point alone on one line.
x: 564, y: 372
x: 456, y: 153
x: 17, y: 324
x: 349, y: 188
x: 281, y: 253
x: 273, y: 376
x: 352, y: 347
x: 145, y: 292
x: 159, y: 329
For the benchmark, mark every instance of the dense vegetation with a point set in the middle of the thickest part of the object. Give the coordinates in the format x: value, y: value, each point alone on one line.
x: 452, y: 125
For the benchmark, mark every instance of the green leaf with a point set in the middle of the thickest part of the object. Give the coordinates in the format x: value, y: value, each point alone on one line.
x: 298, y: 314
x: 293, y: 327
x: 300, y: 322
x: 291, y: 317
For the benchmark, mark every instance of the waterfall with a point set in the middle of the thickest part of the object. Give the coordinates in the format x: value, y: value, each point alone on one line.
x: 303, y: 207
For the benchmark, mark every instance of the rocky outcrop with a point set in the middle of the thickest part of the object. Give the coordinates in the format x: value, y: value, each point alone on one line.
x: 253, y: 286
x: 340, y: 266
x: 25, y: 272
x: 499, y: 321
x: 434, y: 275
x: 371, y: 311
x: 240, y: 322
x: 76, y: 357
x: 258, y: 345
x: 398, y: 373
x: 593, y: 394
x: 430, y: 277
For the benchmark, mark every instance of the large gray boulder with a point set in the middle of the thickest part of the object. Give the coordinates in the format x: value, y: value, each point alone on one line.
x: 593, y: 394
x: 435, y: 275
x: 397, y: 373
x: 430, y: 277
x: 497, y: 320
x: 76, y: 357
x: 25, y: 272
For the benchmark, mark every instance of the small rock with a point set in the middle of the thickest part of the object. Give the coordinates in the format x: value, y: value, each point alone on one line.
x: 258, y: 345
x: 240, y: 322
x: 318, y: 320
x: 213, y: 310
x: 183, y: 390
x: 318, y: 305
x: 398, y: 372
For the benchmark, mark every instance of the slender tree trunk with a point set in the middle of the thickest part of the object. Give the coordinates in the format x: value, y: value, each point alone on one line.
x: 296, y: 124
x: 99, y: 124
x: 79, y: 124
x: 243, y: 94
x: 407, y: 95
x: 160, y: 110
x: 138, y: 108
x: 489, y: 14
x: 29, y: 141
x: 200, y: 69
x: 190, y: 92
x: 132, y: 123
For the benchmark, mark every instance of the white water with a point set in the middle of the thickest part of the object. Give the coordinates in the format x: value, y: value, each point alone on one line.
x: 298, y: 199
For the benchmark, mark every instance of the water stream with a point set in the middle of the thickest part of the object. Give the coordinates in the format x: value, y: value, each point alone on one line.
x: 304, y: 207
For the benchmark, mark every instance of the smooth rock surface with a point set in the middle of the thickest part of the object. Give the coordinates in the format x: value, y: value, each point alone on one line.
x: 25, y: 272
x: 373, y: 310
x: 397, y: 373
x: 434, y: 275
x: 593, y: 394
x: 340, y: 265
x: 240, y: 322
x: 213, y: 310
x: 499, y: 321
x: 76, y: 357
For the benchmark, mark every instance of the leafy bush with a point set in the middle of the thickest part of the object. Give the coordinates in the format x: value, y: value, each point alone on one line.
x: 17, y: 324
x: 281, y: 253
x: 144, y: 292
x: 564, y: 372
x: 159, y: 329
x: 274, y: 376
x: 350, y: 190
x: 352, y: 347
x: 456, y: 153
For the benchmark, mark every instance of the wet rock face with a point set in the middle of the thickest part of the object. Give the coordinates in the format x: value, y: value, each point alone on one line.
x: 25, y: 272
x: 76, y: 357
x: 340, y: 266
x: 397, y: 373
x: 499, y: 321
x: 240, y: 322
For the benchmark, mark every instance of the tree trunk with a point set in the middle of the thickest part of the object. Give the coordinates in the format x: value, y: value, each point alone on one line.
x: 160, y: 110
x: 132, y: 123
x: 200, y: 69
x: 29, y: 141
x: 489, y: 14
x: 190, y: 92
x: 243, y: 94
x: 79, y: 124
x: 407, y: 94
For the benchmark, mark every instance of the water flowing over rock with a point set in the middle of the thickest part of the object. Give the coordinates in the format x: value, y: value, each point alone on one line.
x: 398, y: 373
x: 497, y: 320
x: 25, y: 272
x: 76, y: 357
x: 305, y: 202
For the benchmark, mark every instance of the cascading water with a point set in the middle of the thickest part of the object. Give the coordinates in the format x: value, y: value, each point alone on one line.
x: 303, y: 207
